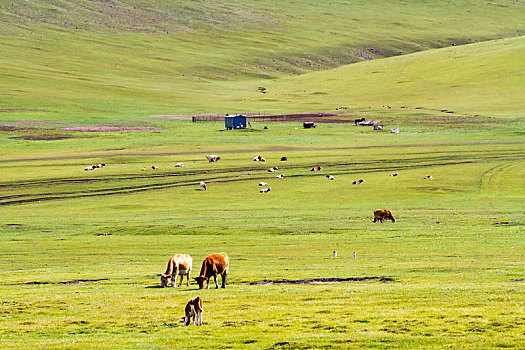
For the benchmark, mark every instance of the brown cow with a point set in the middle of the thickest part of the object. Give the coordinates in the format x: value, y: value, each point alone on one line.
x: 382, y: 214
x: 193, y: 310
x: 213, y: 265
x: 178, y: 264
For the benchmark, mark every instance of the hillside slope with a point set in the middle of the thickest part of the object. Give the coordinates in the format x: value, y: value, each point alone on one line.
x: 108, y: 59
x: 482, y: 78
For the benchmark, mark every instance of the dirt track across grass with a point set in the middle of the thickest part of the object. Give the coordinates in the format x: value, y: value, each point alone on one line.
x: 260, y: 150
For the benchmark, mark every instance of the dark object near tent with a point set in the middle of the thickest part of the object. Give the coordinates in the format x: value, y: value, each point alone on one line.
x: 308, y: 125
x: 237, y: 121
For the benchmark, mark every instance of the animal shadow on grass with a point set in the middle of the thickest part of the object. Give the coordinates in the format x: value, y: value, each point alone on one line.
x: 182, y: 288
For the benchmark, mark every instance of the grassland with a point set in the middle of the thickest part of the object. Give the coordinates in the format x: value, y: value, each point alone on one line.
x: 81, y: 251
x: 107, y: 61
x: 81, y: 258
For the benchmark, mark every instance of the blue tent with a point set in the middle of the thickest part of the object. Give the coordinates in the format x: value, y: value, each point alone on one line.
x: 237, y: 121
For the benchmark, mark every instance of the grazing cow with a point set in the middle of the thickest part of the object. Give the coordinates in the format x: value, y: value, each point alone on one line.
x: 382, y: 214
x: 264, y: 190
x: 330, y: 177
x: 284, y: 159
x: 89, y: 168
x: 273, y: 169
x: 428, y: 177
x: 179, y: 264
x: 143, y: 169
x: 213, y: 158
x: 193, y: 310
x: 263, y: 184
x: 179, y: 165
x: 259, y: 159
x: 358, y: 182
x: 154, y: 167
x: 394, y: 174
x: 203, y: 186
x: 280, y: 176
x: 213, y: 265
x: 357, y: 121
x: 316, y: 168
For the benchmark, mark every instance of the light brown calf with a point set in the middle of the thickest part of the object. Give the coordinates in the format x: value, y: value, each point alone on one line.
x: 193, y: 310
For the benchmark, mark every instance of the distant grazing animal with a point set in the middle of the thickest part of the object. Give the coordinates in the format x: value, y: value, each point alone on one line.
x: 263, y: 184
x: 330, y: 177
x: 273, y: 169
x: 143, y: 169
x: 154, y: 167
x: 394, y: 174
x: 382, y: 214
x: 316, y: 168
x: 428, y: 177
x: 280, y: 176
x: 259, y: 159
x: 193, y: 310
x: 358, y: 182
x: 179, y: 264
x: 178, y: 165
x: 203, y: 186
x: 213, y: 158
x: 264, y: 190
x: 357, y: 121
x: 213, y: 265
x: 89, y: 168
x: 284, y: 159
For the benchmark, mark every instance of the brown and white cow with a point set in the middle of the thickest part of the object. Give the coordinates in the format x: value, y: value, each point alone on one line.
x: 383, y: 214
x: 213, y: 265
x: 193, y: 310
x: 179, y: 264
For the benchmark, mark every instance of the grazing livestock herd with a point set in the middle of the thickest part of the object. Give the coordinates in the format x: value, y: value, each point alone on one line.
x: 180, y: 264
x: 218, y: 263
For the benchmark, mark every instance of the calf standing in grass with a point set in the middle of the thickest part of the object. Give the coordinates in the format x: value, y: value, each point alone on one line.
x: 213, y: 265
x: 193, y: 310
x: 178, y: 264
x: 382, y: 214
x: 203, y: 186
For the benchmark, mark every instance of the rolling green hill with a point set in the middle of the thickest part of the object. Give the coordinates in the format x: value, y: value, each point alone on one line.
x: 482, y: 78
x: 107, y: 60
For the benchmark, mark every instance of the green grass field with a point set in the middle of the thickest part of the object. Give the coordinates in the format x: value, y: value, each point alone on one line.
x: 81, y: 251
x: 455, y: 255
